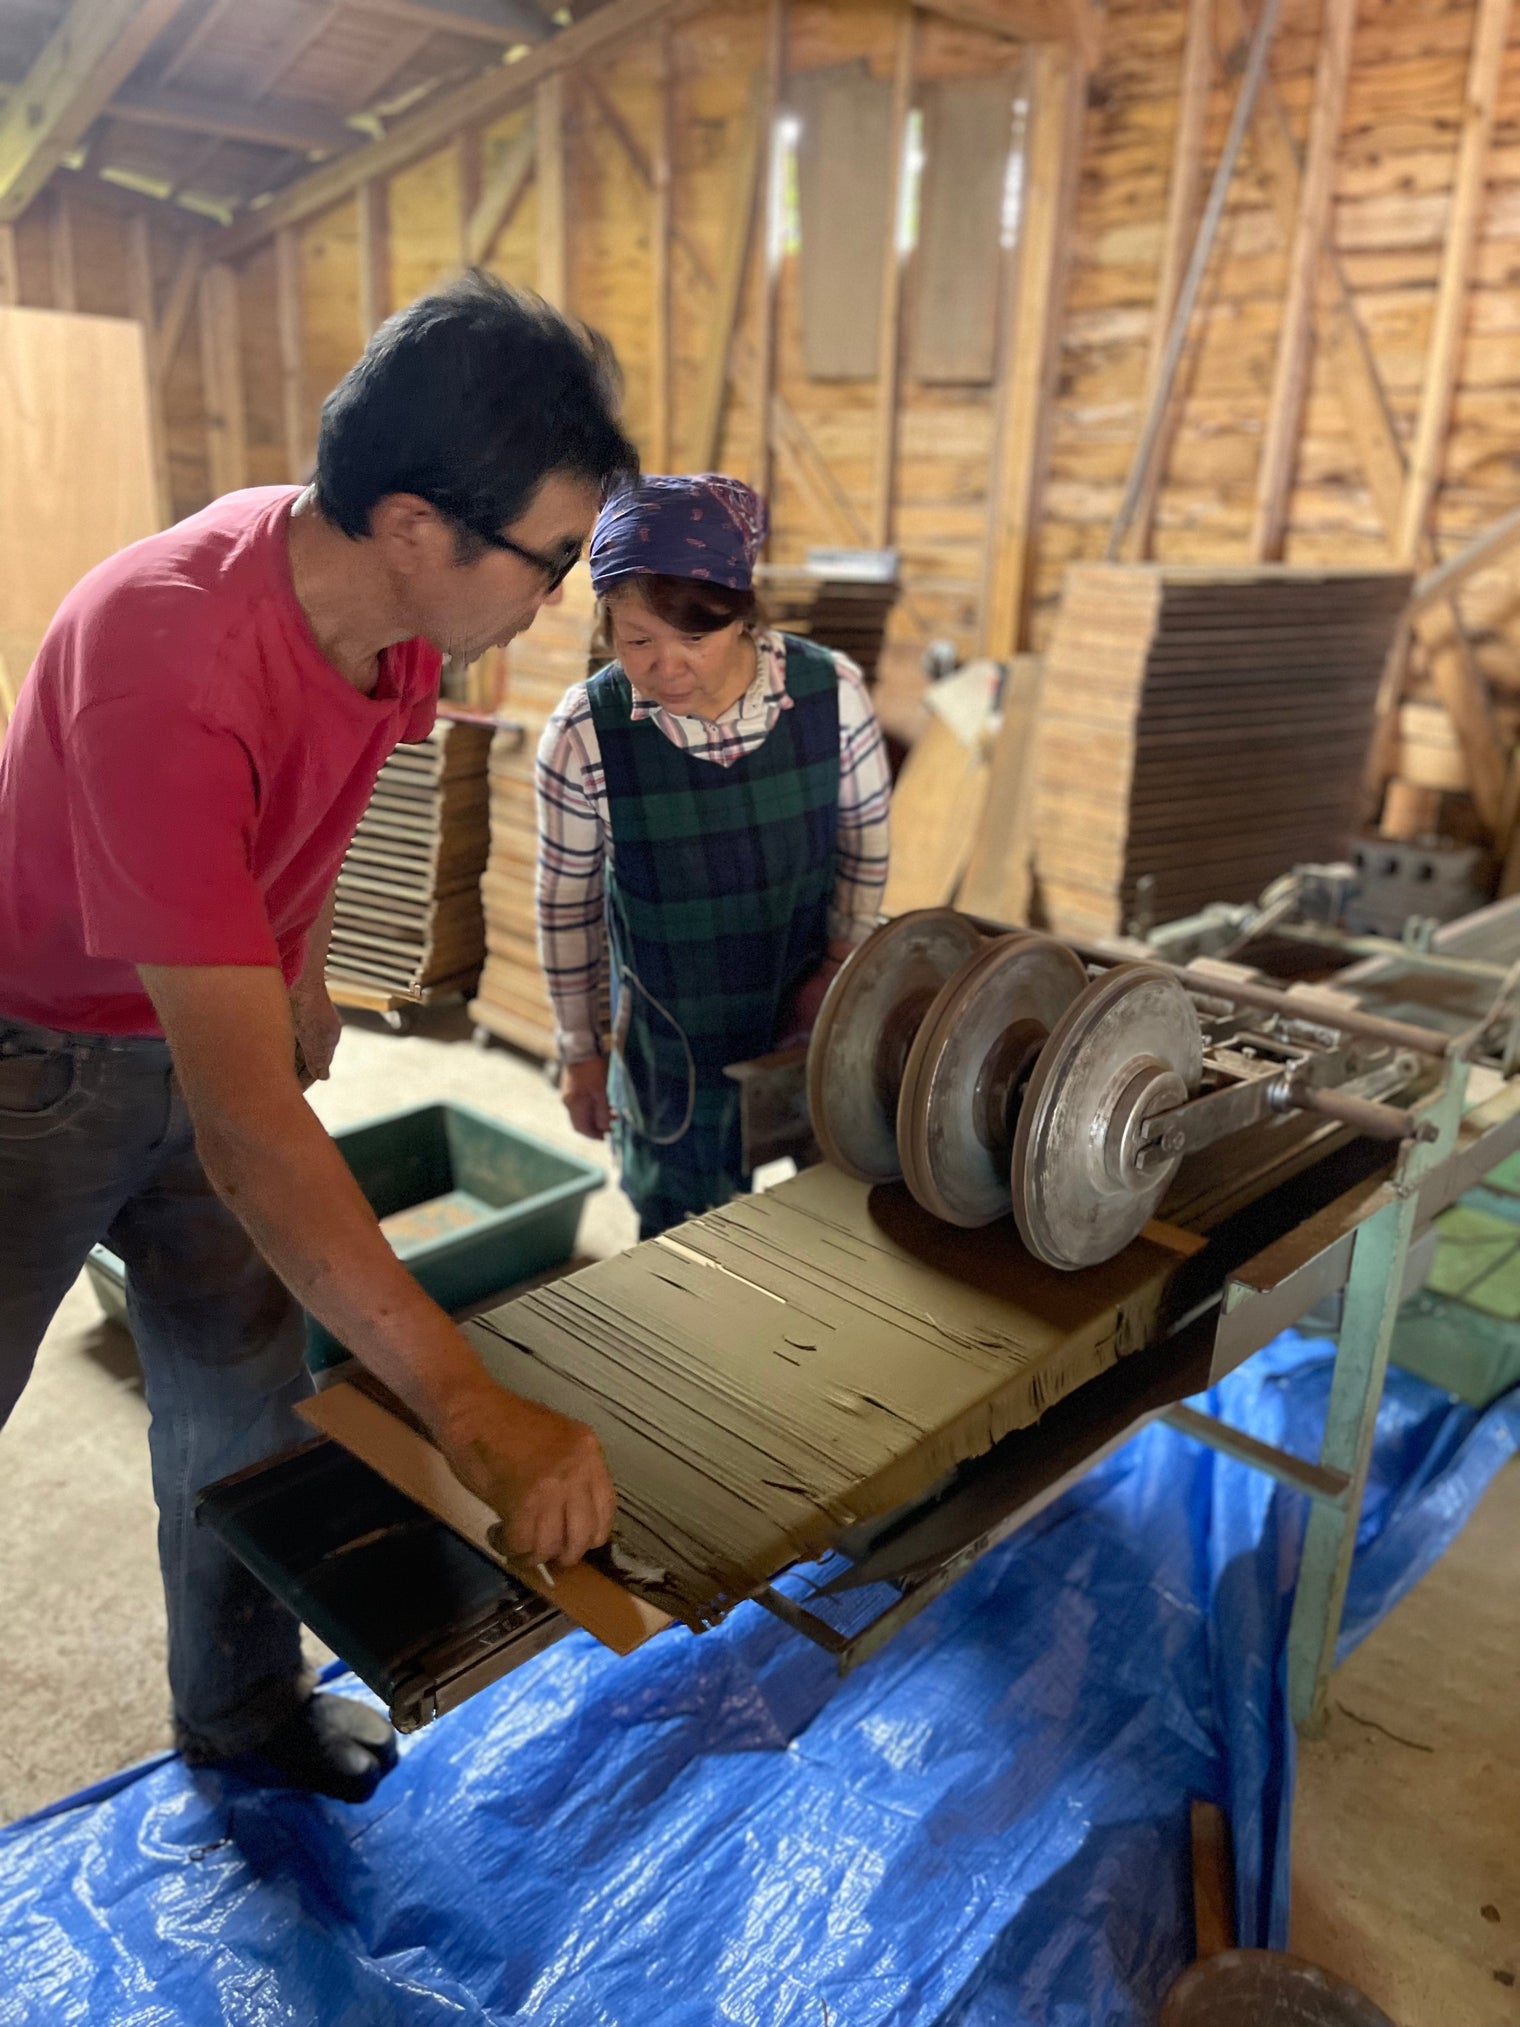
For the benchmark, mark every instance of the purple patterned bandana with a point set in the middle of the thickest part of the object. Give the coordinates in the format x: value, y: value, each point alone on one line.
x: 708, y: 527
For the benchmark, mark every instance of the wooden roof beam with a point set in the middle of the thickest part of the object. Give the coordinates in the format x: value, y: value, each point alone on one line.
x: 438, y: 122
x: 1073, y: 21
x: 495, y: 21
x: 89, y: 56
x: 272, y: 123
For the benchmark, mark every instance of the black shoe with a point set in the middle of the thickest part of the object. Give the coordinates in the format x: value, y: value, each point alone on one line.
x: 330, y: 1746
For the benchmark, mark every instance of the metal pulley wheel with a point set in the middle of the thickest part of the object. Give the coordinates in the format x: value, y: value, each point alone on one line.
x: 967, y: 1071
x: 1084, y: 1180
x: 865, y: 1028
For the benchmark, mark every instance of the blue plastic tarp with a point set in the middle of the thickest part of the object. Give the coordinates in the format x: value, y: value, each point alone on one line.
x: 987, y: 1825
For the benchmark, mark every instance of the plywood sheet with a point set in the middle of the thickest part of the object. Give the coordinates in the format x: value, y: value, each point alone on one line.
x: 968, y: 126
x: 844, y: 161
x: 76, y: 462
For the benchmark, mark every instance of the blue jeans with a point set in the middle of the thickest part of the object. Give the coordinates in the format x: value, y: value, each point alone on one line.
x: 96, y: 1143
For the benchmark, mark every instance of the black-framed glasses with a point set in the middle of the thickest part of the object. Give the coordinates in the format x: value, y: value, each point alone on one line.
x: 555, y: 568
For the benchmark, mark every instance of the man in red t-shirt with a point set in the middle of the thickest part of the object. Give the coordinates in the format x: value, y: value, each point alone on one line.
x: 186, y: 764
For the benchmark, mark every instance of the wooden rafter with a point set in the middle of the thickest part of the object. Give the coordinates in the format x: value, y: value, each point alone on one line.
x: 1439, y: 584
x: 307, y: 130
x: 91, y: 53
x: 183, y: 285
x: 436, y: 123
x: 1184, y: 197
x: 483, y: 22
x: 1490, y: 33
x: 1290, y: 380
x: 1032, y: 343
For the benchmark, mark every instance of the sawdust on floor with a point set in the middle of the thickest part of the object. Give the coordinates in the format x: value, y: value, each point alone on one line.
x: 1406, y: 1827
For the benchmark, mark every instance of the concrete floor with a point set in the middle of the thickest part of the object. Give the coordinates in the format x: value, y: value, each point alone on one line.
x: 1407, y: 1832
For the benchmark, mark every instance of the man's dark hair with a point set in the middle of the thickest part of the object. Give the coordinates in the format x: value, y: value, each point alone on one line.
x: 470, y: 397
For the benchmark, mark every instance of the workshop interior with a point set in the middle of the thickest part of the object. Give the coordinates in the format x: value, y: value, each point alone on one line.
x: 1028, y: 1214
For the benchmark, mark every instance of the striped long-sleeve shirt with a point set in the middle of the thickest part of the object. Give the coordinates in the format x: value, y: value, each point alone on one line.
x: 575, y: 835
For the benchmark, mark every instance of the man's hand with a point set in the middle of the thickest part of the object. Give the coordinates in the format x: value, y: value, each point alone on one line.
x: 544, y: 1474
x: 583, y: 1086
x: 318, y: 1026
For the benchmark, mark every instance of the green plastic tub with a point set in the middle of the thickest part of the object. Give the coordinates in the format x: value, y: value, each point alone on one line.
x: 470, y: 1205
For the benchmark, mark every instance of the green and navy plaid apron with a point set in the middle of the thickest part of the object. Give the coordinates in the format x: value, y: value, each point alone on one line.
x: 717, y: 910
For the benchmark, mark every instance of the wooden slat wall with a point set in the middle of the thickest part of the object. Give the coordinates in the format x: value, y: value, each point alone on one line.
x: 1394, y: 170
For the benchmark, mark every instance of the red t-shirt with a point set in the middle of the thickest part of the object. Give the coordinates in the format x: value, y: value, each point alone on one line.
x: 183, y: 771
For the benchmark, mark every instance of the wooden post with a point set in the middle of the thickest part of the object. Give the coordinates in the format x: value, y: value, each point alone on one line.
x: 1184, y: 196
x: 183, y: 284
x: 1032, y: 341
x: 374, y: 258
x: 1290, y: 383
x: 1490, y: 34
x: 770, y: 256
x: 222, y: 375
x: 61, y: 250
x: 730, y: 286
x: 10, y: 273
x: 889, y: 333
x: 549, y: 131
x: 287, y: 283
x: 661, y: 236
x: 143, y: 302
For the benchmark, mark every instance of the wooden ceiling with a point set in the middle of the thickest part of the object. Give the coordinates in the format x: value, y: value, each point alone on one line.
x: 214, y: 103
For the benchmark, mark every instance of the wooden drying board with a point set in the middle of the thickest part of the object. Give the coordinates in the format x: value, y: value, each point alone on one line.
x: 999, y: 876
x: 76, y: 462
x: 804, y: 1359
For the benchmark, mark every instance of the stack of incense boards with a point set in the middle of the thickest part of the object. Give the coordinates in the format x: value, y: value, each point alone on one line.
x: 556, y: 653
x: 408, y: 918
x: 1202, y: 730
x: 839, y: 611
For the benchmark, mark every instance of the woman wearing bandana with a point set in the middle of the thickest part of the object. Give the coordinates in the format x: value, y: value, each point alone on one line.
x: 712, y: 836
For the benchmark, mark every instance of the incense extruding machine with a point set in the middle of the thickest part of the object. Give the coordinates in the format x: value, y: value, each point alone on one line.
x: 1157, y: 1165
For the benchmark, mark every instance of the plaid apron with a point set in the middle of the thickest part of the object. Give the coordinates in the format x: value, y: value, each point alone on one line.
x: 717, y: 910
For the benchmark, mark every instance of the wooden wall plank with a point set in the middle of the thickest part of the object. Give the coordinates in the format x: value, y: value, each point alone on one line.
x: 61, y: 250
x: 10, y: 272
x: 957, y: 267
x: 767, y: 255
x: 144, y: 309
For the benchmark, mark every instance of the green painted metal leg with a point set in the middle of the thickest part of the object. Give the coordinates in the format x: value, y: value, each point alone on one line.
x: 1356, y: 1391
x: 1361, y: 1361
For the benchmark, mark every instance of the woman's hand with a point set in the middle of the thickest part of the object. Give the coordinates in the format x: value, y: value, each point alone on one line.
x: 583, y: 1086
